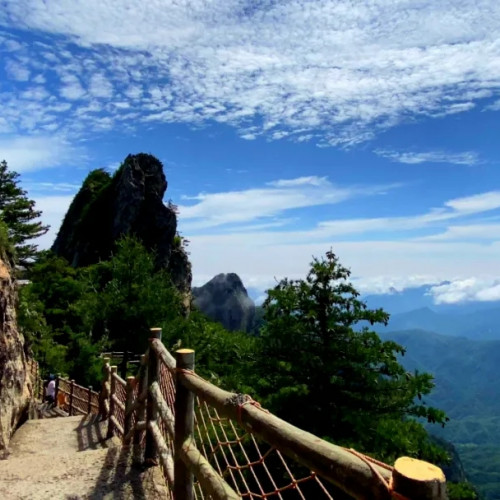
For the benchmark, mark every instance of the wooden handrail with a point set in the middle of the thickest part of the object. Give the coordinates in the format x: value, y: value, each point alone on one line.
x: 166, y: 458
x: 352, y: 472
x: 334, y: 463
x: 163, y: 409
x: 138, y: 401
x: 119, y: 379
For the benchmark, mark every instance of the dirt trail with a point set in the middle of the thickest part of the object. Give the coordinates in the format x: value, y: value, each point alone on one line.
x: 68, y: 458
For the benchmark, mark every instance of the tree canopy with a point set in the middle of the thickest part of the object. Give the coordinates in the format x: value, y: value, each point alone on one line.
x: 324, y: 369
x: 18, y: 213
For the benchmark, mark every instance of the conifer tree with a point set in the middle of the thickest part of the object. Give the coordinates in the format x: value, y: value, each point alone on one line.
x: 18, y: 213
x: 323, y: 369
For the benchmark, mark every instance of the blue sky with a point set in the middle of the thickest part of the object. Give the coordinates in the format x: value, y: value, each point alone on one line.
x: 285, y: 127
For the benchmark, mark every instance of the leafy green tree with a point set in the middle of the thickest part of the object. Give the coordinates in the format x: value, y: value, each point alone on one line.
x: 461, y: 491
x: 18, y: 212
x: 7, y: 250
x: 57, y: 287
x: 225, y: 358
x: 323, y: 369
x: 126, y: 296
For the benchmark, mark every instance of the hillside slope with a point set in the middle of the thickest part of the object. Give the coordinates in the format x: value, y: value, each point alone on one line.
x: 467, y: 378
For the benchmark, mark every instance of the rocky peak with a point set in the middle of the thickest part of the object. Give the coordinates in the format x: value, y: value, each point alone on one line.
x: 129, y: 203
x: 225, y: 299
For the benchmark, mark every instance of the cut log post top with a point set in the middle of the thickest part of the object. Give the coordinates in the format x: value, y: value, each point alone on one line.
x: 416, y: 479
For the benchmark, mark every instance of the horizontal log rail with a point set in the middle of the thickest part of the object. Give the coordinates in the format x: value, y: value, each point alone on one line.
x: 117, y: 402
x: 164, y: 451
x: 163, y: 409
x: 117, y: 425
x: 139, y: 400
x: 208, y: 477
x: 119, y: 379
x: 334, y: 463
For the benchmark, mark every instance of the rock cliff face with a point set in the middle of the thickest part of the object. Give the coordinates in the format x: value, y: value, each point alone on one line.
x: 129, y: 203
x: 225, y: 299
x: 15, y: 385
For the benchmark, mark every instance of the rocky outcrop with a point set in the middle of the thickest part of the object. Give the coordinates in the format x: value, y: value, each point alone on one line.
x: 454, y: 469
x: 129, y: 203
x: 225, y: 299
x: 15, y: 385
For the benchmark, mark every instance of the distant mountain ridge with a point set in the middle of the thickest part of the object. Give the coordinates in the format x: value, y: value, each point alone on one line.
x: 410, y: 299
x: 467, y: 377
x: 478, y: 325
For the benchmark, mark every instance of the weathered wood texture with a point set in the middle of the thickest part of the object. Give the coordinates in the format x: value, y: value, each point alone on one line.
x: 184, y: 426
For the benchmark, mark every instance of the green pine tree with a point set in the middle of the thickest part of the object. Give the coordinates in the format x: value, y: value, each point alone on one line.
x: 18, y: 213
x: 322, y: 368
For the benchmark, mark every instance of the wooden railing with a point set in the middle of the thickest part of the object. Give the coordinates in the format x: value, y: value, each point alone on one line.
x: 76, y: 399
x: 216, y: 444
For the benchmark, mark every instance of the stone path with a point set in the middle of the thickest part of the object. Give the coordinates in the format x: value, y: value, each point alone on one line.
x: 69, y: 459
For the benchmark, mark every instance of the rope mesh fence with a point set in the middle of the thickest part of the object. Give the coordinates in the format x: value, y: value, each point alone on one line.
x: 121, y: 394
x: 80, y: 398
x: 65, y: 387
x: 253, y: 468
x: 167, y: 387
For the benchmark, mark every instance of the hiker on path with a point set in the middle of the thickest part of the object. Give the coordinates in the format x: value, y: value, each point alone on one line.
x: 50, y: 392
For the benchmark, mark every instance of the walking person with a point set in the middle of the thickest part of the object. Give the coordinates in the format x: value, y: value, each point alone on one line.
x: 50, y: 391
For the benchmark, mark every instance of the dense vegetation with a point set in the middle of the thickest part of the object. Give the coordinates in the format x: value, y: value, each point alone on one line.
x: 18, y: 214
x: 467, y: 374
x: 315, y: 362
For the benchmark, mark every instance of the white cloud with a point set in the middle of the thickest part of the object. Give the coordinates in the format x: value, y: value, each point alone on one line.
x: 17, y: 71
x: 29, y: 153
x: 477, y: 203
x: 34, y: 187
x: 312, y: 180
x: 72, y: 88
x: 100, y: 86
x: 386, y: 284
x: 413, y: 158
x: 468, y: 232
x: 259, y: 260
x: 493, y: 107
x: 381, y: 250
x: 214, y: 209
x: 467, y: 290
x: 333, y: 69
x: 53, y: 210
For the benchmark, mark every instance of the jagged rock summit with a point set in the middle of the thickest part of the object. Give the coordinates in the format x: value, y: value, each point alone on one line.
x: 225, y: 299
x: 128, y: 203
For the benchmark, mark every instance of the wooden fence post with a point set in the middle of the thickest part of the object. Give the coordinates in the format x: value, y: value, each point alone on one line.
x: 412, y: 478
x: 184, y: 426
x: 128, y: 404
x: 141, y: 409
x: 89, y: 400
x: 124, y: 365
x: 150, y: 454
x: 103, y: 396
x: 57, y: 389
x: 110, y: 432
x: 71, y: 392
